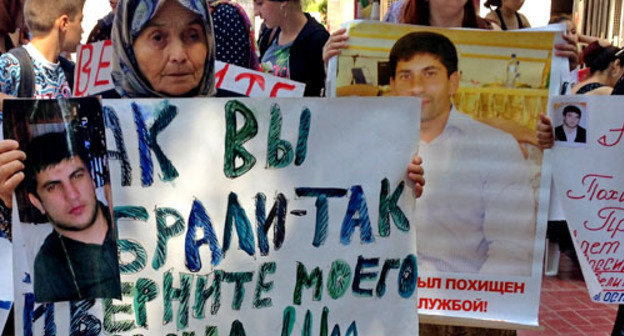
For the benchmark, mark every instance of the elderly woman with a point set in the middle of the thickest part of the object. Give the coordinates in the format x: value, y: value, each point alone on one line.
x: 163, y: 48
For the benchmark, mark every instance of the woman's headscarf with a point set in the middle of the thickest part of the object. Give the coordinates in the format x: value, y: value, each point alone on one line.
x: 131, y: 17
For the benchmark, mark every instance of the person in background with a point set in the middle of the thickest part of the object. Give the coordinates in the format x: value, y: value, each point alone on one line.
x: 291, y: 43
x: 606, y: 66
x: 233, y: 33
x: 505, y: 14
x: 11, y: 18
x: 163, y: 51
x: 102, y: 30
x: 436, y: 13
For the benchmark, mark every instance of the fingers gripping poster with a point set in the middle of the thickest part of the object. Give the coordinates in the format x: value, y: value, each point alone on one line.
x: 588, y: 177
x: 253, y: 217
x: 482, y: 215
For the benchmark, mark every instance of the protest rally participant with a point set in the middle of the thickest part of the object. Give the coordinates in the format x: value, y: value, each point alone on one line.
x: 606, y: 66
x: 291, y: 43
x: 233, y: 33
x: 436, y: 13
x: 163, y: 49
x: 78, y: 259
x: 11, y: 16
x: 506, y: 14
x: 103, y: 27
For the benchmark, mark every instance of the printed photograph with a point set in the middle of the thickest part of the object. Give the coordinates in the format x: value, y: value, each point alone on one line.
x: 482, y: 94
x: 570, y: 121
x: 64, y: 202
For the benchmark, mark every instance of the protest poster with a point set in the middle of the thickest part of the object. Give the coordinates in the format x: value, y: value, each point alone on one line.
x: 482, y: 216
x: 254, y: 217
x: 93, y: 76
x: 587, y: 173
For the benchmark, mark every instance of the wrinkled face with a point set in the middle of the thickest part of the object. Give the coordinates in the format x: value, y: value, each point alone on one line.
x: 269, y: 11
x: 514, y: 5
x: 66, y: 194
x: 424, y: 76
x: 447, y: 8
x: 171, y: 50
x: 571, y: 119
x: 73, y: 33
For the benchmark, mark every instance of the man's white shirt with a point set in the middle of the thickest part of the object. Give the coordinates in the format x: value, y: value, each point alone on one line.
x: 477, y: 213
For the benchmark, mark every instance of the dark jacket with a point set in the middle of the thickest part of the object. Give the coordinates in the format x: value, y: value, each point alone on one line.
x: 581, y: 134
x: 306, y: 55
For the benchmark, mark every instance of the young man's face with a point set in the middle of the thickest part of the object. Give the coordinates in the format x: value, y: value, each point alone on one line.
x: 73, y: 33
x: 571, y: 119
x: 66, y: 194
x: 424, y: 76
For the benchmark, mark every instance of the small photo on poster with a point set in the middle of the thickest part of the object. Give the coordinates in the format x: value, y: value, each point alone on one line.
x: 64, y: 202
x: 570, y: 122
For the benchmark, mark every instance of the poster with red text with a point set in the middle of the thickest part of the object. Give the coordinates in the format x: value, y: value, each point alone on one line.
x: 93, y: 76
x: 587, y: 166
x: 482, y: 217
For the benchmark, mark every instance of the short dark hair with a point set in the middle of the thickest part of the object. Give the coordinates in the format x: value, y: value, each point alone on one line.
x: 415, y: 43
x: 572, y: 109
x: 48, y: 150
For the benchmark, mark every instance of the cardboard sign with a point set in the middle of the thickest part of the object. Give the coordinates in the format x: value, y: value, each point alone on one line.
x: 93, y: 76
x: 482, y: 216
x: 587, y: 171
x: 93, y: 69
x: 254, y: 216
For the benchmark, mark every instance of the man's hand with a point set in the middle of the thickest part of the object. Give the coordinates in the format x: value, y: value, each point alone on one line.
x: 415, y: 172
x: 545, y: 134
x: 336, y: 42
x: 568, y: 50
x: 11, y: 166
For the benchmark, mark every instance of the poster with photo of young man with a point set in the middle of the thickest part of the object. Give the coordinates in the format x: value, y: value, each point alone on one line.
x: 73, y: 256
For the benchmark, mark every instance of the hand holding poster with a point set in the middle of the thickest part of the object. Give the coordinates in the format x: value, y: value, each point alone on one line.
x: 93, y: 76
x: 241, y: 217
x: 479, y: 245
x: 588, y: 177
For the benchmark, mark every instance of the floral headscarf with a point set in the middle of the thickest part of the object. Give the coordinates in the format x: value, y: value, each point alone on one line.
x: 131, y: 17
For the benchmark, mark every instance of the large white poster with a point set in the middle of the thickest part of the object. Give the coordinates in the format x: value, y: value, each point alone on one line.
x: 587, y: 169
x: 253, y: 217
x: 482, y: 216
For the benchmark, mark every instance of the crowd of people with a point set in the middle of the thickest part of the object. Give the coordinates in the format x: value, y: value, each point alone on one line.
x: 168, y: 48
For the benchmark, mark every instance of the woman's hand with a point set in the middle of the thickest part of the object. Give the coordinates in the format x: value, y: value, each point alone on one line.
x: 11, y: 166
x: 568, y: 50
x: 545, y: 134
x: 416, y: 173
x: 336, y: 42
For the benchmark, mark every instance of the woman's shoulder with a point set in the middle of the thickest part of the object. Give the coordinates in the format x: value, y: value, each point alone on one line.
x: 493, y: 17
x: 525, y: 21
x: 313, y: 30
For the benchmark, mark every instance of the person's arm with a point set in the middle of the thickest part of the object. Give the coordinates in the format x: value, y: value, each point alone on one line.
x: 10, y: 156
x: 509, y: 211
x: 545, y: 132
x: 416, y: 173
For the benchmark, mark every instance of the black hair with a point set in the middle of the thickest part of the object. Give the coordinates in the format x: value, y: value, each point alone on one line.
x: 598, y: 58
x: 572, y: 109
x: 45, y: 151
x: 560, y: 18
x: 414, y: 43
